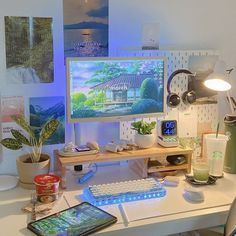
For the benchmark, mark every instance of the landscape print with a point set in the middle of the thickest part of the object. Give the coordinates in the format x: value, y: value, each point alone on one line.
x: 85, y: 28
x: 44, y: 108
x: 108, y: 88
x: 203, y: 66
x: 29, y: 50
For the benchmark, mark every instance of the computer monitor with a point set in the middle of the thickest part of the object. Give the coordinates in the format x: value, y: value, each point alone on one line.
x: 113, y: 89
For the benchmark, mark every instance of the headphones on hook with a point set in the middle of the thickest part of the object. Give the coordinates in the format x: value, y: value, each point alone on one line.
x: 188, y: 97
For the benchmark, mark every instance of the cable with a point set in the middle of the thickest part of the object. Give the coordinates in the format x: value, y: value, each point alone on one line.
x: 89, y: 174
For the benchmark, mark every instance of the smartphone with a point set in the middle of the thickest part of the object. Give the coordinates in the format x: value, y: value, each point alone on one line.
x: 82, y: 149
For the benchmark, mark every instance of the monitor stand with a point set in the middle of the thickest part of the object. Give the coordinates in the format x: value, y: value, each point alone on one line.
x: 76, y: 140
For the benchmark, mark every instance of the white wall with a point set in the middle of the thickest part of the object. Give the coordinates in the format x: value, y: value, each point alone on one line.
x: 42, y: 8
x: 184, y: 24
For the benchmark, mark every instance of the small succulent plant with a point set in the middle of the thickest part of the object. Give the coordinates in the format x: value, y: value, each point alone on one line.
x: 143, y: 127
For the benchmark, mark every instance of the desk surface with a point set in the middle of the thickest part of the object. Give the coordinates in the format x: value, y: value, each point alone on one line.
x: 13, y: 221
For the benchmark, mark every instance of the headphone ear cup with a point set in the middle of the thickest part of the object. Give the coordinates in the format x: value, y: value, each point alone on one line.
x: 189, y: 97
x: 173, y: 100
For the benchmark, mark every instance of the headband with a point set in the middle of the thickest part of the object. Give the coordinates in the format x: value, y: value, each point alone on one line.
x: 185, y: 71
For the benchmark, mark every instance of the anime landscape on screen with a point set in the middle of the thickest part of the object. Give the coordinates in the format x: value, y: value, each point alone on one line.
x: 114, y: 88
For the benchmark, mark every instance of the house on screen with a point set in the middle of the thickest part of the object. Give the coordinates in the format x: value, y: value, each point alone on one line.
x: 123, y: 89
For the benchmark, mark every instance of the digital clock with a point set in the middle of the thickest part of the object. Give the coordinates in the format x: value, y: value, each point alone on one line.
x: 169, y: 127
x: 167, y: 133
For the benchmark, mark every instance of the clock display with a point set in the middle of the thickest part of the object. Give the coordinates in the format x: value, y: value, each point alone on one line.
x: 169, y: 128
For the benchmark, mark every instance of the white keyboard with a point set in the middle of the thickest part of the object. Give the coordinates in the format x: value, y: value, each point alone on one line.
x: 124, y: 191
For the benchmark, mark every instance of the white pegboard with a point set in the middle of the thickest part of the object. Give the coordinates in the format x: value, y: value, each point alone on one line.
x: 208, y: 113
x: 175, y: 60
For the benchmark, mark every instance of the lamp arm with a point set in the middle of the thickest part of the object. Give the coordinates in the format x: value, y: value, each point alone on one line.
x: 228, y: 95
x: 229, y: 71
x: 230, y: 102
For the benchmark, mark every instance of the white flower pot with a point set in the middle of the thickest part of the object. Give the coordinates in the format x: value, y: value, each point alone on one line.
x: 144, y: 141
x: 27, y: 171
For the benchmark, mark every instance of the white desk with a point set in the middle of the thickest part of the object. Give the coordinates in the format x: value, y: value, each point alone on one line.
x: 13, y: 221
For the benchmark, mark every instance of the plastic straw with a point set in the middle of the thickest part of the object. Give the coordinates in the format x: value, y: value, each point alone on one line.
x: 217, y: 129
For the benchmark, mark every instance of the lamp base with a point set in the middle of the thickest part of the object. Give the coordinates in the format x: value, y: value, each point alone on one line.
x: 8, y: 182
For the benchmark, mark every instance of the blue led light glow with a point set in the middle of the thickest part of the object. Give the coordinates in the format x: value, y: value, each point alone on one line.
x: 123, y: 197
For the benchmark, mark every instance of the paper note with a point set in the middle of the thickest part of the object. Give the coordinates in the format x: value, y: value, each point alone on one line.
x: 187, y: 126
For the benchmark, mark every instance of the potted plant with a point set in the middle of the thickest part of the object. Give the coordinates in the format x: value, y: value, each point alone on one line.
x: 144, y: 137
x: 34, y: 162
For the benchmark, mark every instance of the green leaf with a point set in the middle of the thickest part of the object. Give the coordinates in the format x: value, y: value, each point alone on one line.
x: 153, y: 124
x: 48, y: 129
x: 143, y: 127
x: 11, y: 143
x: 20, y: 137
x: 24, y: 125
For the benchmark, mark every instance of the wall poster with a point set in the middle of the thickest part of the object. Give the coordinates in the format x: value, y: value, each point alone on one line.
x: 11, y: 106
x: 85, y: 28
x: 44, y: 108
x: 202, y: 66
x: 150, y: 36
x: 29, y: 50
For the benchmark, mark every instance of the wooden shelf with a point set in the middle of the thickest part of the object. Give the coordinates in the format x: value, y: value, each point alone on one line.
x: 105, y: 156
x: 154, y: 169
x: 141, y: 155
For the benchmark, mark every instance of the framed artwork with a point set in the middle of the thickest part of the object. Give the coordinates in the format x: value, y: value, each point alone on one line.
x: 29, y: 50
x: 11, y: 106
x: 44, y: 108
x: 202, y: 66
x: 85, y: 28
x: 150, y: 36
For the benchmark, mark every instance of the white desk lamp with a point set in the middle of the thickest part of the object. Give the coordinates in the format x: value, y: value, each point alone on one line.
x: 7, y: 181
x: 219, y: 81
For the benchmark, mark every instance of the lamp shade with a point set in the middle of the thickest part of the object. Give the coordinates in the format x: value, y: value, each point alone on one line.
x: 217, y: 80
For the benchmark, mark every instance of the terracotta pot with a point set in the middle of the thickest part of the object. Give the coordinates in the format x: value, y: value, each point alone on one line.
x: 144, y: 141
x: 27, y: 171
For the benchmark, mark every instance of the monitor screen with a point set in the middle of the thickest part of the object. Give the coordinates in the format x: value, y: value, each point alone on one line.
x: 109, y: 89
